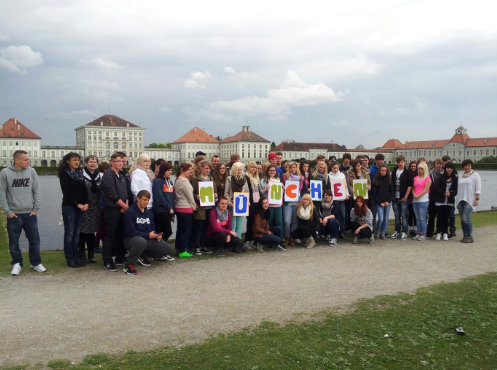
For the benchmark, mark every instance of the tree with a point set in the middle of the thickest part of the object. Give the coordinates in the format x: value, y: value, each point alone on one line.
x: 161, y: 145
x: 273, y: 144
x: 360, y: 147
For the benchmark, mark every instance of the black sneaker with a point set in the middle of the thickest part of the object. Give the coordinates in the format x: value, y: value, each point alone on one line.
x: 129, y: 269
x: 204, y: 250
x: 120, y: 261
x: 219, y: 252
x: 280, y: 247
x: 143, y: 261
x: 110, y: 266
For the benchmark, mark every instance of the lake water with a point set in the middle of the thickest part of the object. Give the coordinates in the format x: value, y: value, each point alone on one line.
x: 51, y: 233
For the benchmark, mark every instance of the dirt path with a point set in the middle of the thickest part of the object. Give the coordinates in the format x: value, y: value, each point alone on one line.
x: 69, y: 315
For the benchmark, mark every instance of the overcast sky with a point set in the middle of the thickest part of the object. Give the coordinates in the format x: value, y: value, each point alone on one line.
x: 352, y: 72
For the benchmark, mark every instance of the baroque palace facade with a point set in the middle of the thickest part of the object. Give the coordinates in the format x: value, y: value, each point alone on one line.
x: 110, y: 133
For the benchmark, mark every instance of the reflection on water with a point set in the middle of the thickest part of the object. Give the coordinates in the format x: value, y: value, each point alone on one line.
x: 50, y: 213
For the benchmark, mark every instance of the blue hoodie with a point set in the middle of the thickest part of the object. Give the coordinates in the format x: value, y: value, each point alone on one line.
x: 138, y: 223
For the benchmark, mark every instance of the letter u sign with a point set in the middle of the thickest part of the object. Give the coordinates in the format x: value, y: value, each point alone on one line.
x: 240, y: 204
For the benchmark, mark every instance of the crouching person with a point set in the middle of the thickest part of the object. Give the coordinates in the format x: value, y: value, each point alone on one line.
x: 219, y: 233
x: 140, y: 237
x: 329, y: 226
x: 260, y: 228
x: 361, y: 221
x: 307, y: 222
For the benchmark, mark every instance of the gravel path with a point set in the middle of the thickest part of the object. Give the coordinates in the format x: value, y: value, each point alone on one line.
x: 69, y: 315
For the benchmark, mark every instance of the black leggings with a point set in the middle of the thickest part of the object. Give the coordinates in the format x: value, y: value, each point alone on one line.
x: 443, y: 213
x: 163, y: 222
x: 89, y: 239
x: 363, y: 233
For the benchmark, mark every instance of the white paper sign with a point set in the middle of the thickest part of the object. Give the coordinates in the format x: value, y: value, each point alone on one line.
x: 206, y: 193
x: 240, y: 204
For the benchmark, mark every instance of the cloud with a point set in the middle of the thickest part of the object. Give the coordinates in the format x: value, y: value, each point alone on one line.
x: 230, y: 70
x: 19, y: 58
x: 105, y: 85
x: 106, y: 64
x: 197, y: 80
x: 278, y: 102
x: 415, y: 106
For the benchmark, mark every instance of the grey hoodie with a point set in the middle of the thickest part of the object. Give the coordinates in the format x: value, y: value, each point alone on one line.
x: 19, y: 190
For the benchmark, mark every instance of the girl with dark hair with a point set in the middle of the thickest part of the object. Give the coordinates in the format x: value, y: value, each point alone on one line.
x: 305, y: 172
x: 163, y: 194
x: 263, y: 234
x: 91, y: 218
x: 361, y: 220
x: 383, y: 195
x: 220, y: 175
x: 329, y: 227
x: 444, y: 200
x: 74, y: 203
x: 413, y: 172
x: 275, y: 211
x: 201, y: 214
x: 184, y: 205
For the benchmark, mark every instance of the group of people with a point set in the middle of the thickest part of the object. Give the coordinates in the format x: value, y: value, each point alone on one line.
x: 132, y: 211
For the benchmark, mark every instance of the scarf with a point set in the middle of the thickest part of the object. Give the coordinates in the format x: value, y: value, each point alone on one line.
x: 237, y: 184
x: 305, y: 213
x: 222, y: 216
x: 294, y: 177
x: 93, y: 179
x: 320, y: 176
x: 149, y: 172
x: 326, y: 208
x: 466, y: 175
x: 76, y: 175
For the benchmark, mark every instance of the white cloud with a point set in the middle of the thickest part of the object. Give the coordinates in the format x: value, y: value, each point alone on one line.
x: 105, y: 85
x: 19, y: 58
x: 197, y: 80
x: 106, y: 64
x: 230, y: 70
x: 415, y: 106
x: 278, y: 102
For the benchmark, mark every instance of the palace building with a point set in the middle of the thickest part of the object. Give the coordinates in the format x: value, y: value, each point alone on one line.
x: 110, y: 133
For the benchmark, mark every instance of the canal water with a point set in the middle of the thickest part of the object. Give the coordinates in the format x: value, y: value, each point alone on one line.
x: 51, y: 231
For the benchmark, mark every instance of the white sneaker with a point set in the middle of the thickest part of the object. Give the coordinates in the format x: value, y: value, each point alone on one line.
x: 445, y: 237
x: 39, y: 268
x: 333, y: 241
x: 439, y: 236
x: 404, y: 236
x: 416, y: 237
x: 395, y: 235
x: 421, y: 238
x: 16, y: 269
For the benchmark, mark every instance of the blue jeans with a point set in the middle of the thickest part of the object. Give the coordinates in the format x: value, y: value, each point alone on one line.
x: 290, y: 218
x: 401, y: 212
x: 276, y: 219
x: 465, y: 212
x: 236, y: 226
x: 72, y: 217
x: 420, y: 210
x: 271, y: 239
x: 183, y: 231
x: 331, y: 228
x: 383, y: 213
x: 30, y: 225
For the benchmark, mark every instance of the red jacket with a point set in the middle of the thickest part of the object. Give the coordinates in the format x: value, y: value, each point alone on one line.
x: 217, y: 226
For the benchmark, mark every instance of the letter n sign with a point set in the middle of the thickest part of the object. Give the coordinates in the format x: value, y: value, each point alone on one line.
x: 316, y: 188
x: 360, y: 188
x: 240, y: 204
x: 275, y: 194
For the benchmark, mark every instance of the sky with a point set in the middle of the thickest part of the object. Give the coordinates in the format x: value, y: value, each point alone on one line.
x: 355, y: 73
